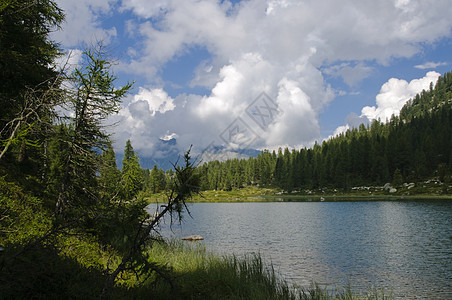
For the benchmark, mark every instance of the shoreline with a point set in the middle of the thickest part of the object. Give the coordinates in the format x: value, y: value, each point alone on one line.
x: 255, y: 194
x: 326, y: 198
x: 261, y: 194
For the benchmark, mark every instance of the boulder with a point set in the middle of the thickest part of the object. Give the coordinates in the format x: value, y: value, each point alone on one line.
x: 193, y: 238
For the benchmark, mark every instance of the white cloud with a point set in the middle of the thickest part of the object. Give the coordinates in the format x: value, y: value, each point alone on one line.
x: 157, y: 100
x: 201, y: 120
x: 206, y: 74
x: 339, y: 130
x: 169, y: 136
x: 82, y: 24
x: 275, y: 4
x: 69, y: 60
x: 297, y: 113
x: 353, y: 120
x: 280, y: 47
x: 430, y: 65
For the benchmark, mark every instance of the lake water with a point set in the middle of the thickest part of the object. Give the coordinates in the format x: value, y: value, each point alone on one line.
x: 401, y: 246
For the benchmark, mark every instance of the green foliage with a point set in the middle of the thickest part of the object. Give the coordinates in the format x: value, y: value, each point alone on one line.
x: 26, y: 54
x: 119, y: 222
x: 22, y: 217
x: 157, y: 180
x: 28, y: 84
x: 132, y: 177
x: 134, y: 256
x: 109, y: 175
x: 188, y: 179
x: 431, y: 100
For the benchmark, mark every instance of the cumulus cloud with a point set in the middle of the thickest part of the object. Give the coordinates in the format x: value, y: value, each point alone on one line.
x: 201, y: 120
x: 297, y: 113
x: 157, y: 100
x: 280, y: 47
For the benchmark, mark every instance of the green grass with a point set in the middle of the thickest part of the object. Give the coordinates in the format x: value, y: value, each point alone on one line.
x: 247, y: 194
x: 198, y: 274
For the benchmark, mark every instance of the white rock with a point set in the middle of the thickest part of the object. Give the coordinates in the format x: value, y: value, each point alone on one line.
x: 193, y: 238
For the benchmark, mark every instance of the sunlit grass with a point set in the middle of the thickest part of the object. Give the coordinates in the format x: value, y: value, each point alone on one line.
x: 246, y: 194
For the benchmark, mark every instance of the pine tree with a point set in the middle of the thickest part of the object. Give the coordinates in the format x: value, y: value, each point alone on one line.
x: 29, y: 84
x: 109, y: 174
x: 26, y: 53
x: 131, y: 175
x: 157, y: 180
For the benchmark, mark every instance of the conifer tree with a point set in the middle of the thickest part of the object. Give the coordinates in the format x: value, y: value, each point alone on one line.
x: 91, y: 98
x: 29, y: 84
x: 158, y: 182
x: 132, y: 178
x: 109, y: 175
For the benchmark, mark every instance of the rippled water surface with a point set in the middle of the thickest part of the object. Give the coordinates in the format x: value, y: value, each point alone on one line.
x: 401, y: 246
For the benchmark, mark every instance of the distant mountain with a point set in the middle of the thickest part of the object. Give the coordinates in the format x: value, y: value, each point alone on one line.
x: 221, y: 153
x: 167, y: 154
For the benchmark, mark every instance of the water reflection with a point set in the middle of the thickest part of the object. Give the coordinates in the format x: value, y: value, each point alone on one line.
x: 406, y: 246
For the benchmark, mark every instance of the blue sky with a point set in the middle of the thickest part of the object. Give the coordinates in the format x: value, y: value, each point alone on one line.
x: 201, y: 65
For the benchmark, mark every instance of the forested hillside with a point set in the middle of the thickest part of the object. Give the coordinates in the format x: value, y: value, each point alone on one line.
x: 413, y: 147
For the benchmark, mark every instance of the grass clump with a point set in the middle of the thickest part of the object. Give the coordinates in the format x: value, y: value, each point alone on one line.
x: 198, y: 274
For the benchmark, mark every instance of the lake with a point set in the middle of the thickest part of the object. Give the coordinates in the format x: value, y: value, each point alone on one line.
x: 401, y: 246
